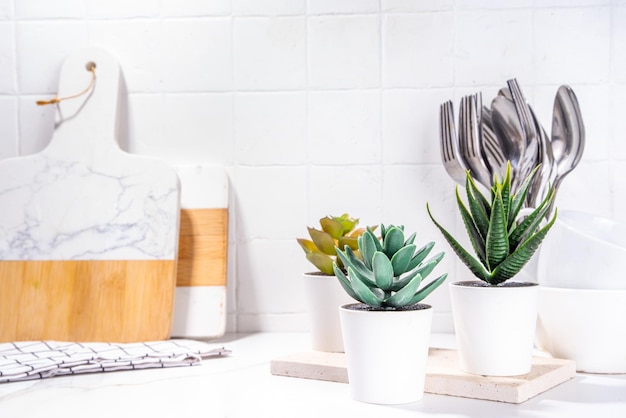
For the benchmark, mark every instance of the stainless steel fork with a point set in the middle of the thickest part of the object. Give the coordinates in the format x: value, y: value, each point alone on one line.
x: 449, y: 143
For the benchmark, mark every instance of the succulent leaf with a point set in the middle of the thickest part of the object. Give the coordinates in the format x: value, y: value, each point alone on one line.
x: 394, y: 240
x: 476, y: 238
x: 363, y: 292
x: 403, y: 296
x: 335, y: 231
x: 391, y: 271
x: 420, y: 255
x: 345, y: 283
x: 497, y: 242
x: 428, y: 289
x: 509, y: 243
x: 401, y: 259
x: 332, y: 227
x: 383, y: 271
x: 323, y: 241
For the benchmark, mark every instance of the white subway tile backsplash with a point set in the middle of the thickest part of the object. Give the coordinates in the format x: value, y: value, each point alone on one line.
x: 618, y: 123
x: 6, y: 9
x: 183, y: 127
x: 416, y: 5
x: 493, y: 46
x: 137, y: 46
x: 344, y: 125
x: 7, y: 58
x: 343, y: 52
x: 35, y: 124
x: 617, y: 193
x: 411, y: 125
x: 572, y: 45
x: 195, y: 8
x: 123, y: 8
x: 270, y: 277
x: 342, y: 6
x: 8, y: 127
x: 418, y: 50
x: 270, y: 128
x: 271, y: 204
x: 269, y: 53
x: 268, y: 7
x: 618, y: 38
x: 320, y: 107
x: 588, y: 189
x: 195, y: 56
x: 353, y: 189
x: 41, y: 48
x: 46, y: 9
x: 490, y: 4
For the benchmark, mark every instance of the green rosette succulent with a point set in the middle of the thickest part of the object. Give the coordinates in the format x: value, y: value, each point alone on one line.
x: 389, y: 273
x: 502, y: 240
x: 334, y: 231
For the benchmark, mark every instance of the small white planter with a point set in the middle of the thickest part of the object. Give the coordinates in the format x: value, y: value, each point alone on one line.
x: 495, y: 327
x: 386, y: 353
x: 324, y: 295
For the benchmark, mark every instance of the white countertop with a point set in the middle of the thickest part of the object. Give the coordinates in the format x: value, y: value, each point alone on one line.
x: 241, y: 385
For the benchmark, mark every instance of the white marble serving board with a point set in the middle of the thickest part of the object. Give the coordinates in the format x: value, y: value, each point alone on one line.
x: 82, y: 197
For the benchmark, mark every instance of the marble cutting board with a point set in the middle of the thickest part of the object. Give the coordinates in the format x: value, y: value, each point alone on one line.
x: 88, y: 232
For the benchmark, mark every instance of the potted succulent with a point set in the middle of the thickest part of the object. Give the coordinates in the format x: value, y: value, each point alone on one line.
x: 323, y: 294
x: 386, y: 334
x: 495, y: 317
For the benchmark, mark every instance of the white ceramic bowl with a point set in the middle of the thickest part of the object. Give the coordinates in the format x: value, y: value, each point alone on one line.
x: 584, y: 325
x: 583, y: 251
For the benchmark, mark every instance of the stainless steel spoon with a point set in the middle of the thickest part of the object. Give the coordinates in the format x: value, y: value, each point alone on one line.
x: 568, y: 134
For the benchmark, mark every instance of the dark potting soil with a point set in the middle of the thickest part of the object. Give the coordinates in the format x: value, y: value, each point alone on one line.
x: 475, y: 283
x: 364, y: 307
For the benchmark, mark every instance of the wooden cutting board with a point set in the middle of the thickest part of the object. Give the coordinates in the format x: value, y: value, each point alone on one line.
x: 200, y: 297
x: 88, y: 233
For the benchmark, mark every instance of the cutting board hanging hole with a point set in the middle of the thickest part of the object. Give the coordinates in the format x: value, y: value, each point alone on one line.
x: 89, y: 66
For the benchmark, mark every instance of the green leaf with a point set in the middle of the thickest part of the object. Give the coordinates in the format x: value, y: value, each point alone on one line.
x: 383, y: 271
x: 505, y: 193
x: 324, y: 242
x: 518, y: 259
x: 347, y: 223
x: 473, y: 264
x: 531, y: 223
x: 363, y: 292
x: 351, y: 242
x: 476, y: 239
x: 307, y: 245
x: 497, y: 243
x: 393, y: 241
x: 420, y: 255
x: 404, y: 295
x: 401, y: 259
x: 345, y: 283
x: 477, y: 208
x: 520, y: 197
x: 350, y: 259
x: 428, y: 289
x: 331, y: 227
x: 423, y: 270
x: 410, y: 240
x: 369, y: 244
x: 478, y: 196
x: 323, y: 262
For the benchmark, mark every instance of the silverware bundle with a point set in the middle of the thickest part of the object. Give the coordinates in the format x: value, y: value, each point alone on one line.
x: 509, y: 130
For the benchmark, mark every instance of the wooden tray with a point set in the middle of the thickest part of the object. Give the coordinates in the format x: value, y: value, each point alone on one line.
x: 443, y: 376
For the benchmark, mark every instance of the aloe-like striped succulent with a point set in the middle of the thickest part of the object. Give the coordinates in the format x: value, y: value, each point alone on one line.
x: 502, y: 243
x: 390, y: 271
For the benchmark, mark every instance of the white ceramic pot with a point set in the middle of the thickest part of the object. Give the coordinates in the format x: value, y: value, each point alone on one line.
x: 495, y: 327
x: 584, y: 325
x: 386, y: 353
x: 583, y: 251
x: 324, y: 295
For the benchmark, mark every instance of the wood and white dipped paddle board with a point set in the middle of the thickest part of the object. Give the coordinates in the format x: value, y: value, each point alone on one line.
x: 200, y: 302
x: 88, y: 233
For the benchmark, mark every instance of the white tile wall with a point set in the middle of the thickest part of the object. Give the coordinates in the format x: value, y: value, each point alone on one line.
x: 322, y: 107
